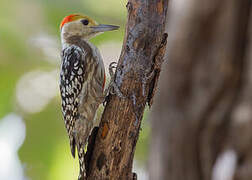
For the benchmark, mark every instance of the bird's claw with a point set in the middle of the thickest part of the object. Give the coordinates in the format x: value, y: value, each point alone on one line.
x: 112, y: 66
x: 115, y: 90
x: 112, y: 89
x: 105, y: 100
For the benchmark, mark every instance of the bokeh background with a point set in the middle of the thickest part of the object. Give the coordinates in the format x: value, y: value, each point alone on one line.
x: 33, y: 141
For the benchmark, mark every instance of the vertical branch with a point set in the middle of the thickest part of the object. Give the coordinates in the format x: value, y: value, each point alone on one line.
x: 203, y: 99
x: 136, y: 76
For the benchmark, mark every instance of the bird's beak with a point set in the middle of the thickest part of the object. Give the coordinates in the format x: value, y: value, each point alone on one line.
x: 104, y: 27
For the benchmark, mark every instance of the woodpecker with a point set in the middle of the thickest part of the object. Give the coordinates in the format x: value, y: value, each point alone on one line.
x: 82, y: 80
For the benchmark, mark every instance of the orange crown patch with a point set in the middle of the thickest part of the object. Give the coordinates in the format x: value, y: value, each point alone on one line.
x: 69, y: 18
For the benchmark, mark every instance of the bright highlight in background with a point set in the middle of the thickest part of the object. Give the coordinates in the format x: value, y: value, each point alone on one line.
x: 12, y: 135
x: 36, y: 89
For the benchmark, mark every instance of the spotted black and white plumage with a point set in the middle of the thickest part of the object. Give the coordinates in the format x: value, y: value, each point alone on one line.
x: 71, y: 82
x: 82, y: 80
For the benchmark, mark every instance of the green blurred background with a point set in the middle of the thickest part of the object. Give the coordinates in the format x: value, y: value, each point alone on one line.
x: 33, y: 141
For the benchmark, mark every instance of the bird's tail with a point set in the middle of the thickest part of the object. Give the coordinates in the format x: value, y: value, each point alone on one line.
x: 82, y: 128
x: 81, y: 154
x: 72, y: 146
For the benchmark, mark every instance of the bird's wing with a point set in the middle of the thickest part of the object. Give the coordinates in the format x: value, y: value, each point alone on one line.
x: 73, y: 70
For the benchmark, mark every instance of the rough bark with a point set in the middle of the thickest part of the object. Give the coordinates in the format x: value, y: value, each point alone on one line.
x: 204, y: 106
x: 136, y: 76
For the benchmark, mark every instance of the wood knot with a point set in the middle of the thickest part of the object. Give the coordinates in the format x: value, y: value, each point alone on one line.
x: 164, y: 39
x: 105, y: 130
x: 101, y: 161
x: 160, y: 7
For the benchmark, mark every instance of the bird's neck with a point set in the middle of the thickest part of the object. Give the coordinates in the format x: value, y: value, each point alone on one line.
x: 80, y: 42
x: 71, y: 39
x: 68, y: 38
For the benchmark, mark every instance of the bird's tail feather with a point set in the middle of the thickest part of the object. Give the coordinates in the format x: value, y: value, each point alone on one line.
x: 72, y: 146
x: 81, y: 154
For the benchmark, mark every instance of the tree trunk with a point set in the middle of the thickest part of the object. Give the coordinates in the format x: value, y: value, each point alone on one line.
x: 111, y: 156
x: 203, y: 113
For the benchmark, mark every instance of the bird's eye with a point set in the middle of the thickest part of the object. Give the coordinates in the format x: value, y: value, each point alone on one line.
x: 85, y: 22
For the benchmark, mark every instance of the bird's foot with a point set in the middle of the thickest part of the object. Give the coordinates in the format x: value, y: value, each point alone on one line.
x: 112, y: 87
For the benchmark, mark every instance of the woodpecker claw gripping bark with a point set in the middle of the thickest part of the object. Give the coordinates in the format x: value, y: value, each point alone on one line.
x: 112, y: 87
x: 82, y: 80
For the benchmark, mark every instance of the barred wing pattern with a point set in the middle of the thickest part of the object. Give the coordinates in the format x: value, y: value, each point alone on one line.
x: 71, y: 81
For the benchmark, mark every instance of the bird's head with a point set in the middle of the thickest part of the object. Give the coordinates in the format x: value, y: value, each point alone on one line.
x: 83, y: 26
